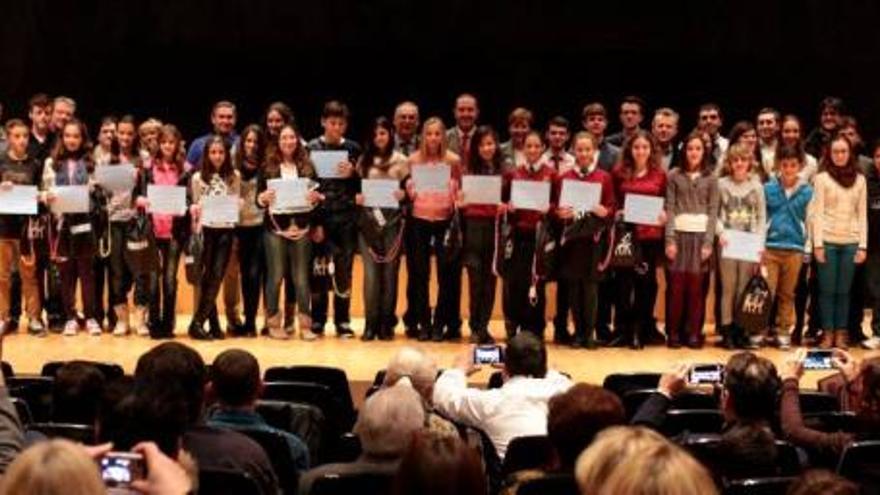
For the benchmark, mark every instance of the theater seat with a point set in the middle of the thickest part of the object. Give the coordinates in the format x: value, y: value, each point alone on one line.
x: 36, y: 391
x: 317, y: 395
x: 278, y: 451
x: 352, y: 484
x: 111, y: 371
x: 84, y: 434
x: 530, y: 452
x: 621, y: 383
x: 680, y: 421
x: 758, y: 486
x: 23, y: 411
x: 860, y: 462
x: 817, y: 402
x: 6, y: 369
x: 303, y: 420
x: 633, y: 399
x: 227, y: 482
x: 333, y: 378
x: 553, y: 484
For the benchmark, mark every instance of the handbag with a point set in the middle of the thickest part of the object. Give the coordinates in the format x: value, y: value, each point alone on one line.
x: 192, y: 258
x: 141, y: 254
x: 453, y: 238
x: 752, y: 310
x: 503, y: 250
x: 625, y: 249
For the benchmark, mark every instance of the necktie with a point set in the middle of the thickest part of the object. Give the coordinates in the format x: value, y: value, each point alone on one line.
x: 465, y: 149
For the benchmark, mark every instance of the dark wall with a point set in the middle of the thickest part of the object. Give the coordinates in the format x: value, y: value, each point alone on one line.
x: 172, y: 58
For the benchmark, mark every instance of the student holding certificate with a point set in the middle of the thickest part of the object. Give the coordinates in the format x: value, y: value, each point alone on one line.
x: 524, y: 295
x: 380, y: 233
x: 839, y: 222
x: 431, y: 215
x: 583, y: 243
x: 74, y: 244
x: 172, y: 232
x: 487, y: 158
x: 215, y: 177
x: 16, y: 167
x: 692, y: 207
x: 639, y: 172
x: 286, y: 238
x: 741, y: 208
x: 337, y: 218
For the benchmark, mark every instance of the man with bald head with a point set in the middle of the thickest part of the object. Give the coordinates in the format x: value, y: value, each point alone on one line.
x: 406, y: 128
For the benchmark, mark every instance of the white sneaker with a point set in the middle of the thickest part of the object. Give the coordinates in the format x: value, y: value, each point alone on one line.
x: 140, y: 317
x: 121, y: 329
x: 93, y: 328
x: 783, y: 341
x: 70, y: 328
x: 872, y: 343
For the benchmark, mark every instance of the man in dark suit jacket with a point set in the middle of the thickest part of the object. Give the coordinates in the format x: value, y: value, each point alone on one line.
x: 458, y: 139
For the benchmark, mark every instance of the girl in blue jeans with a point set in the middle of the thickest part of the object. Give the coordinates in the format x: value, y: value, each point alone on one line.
x: 839, y: 220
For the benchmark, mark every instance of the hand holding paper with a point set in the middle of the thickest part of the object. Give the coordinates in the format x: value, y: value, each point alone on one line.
x: 327, y: 163
x: 530, y: 195
x: 643, y: 209
x: 168, y: 200
x: 481, y: 189
x: 70, y: 199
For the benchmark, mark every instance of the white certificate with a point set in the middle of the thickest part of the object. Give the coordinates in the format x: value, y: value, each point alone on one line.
x: 167, y: 200
x: 580, y: 196
x: 431, y: 177
x: 116, y: 178
x: 220, y: 209
x: 290, y: 194
x: 530, y: 195
x: 327, y: 163
x: 642, y: 209
x: 70, y: 199
x: 379, y: 193
x: 744, y: 246
x: 18, y: 200
x: 481, y: 189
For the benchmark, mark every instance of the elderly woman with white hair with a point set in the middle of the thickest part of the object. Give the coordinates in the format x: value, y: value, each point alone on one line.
x: 415, y: 367
x: 385, y: 427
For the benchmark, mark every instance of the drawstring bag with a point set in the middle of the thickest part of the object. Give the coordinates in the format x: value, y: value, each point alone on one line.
x: 453, y: 238
x: 35, y: 239
x: 625, y: 249
x: 141, y: 254
x: 192, y: 258
x: 545, y: 250
x: 372, y: 224
x: 503, y: 251
x: 752, y: 310
x: 319, y: 279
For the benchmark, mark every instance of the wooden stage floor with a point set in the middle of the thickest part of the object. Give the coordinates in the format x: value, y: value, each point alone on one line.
x: 360, y: 360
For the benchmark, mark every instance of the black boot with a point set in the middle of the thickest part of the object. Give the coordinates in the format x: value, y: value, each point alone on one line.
x: 424, y: 333
x: 216, y: 331
x: 437, y: 333
x: 636, y: 342
x: 727, y: 337
x: 386, y: 333
x: 369, y: 333
x: 197, y: 331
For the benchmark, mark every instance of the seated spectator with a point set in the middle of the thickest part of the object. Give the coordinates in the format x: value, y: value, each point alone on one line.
x: 384, y: 426
x: 177, y: 373
x: 637, y: 461
x: 76, y: 393
x: 11, y: 432
x: 862, y: 384
x: 518, y: 408
x: 748, y: 403
x: 574, y: 418
x: 236, y: 385
x: 422, y: 372
x: 439, y: 465
x: 53, y: 467
x: 822, y: 482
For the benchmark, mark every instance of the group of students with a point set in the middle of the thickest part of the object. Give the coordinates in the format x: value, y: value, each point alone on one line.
x: 813, y: 213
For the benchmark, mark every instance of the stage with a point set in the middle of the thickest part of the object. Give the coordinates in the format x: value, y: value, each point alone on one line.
x: 359, y: 359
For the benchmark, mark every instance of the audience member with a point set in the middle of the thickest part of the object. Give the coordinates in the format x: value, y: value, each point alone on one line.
x: 822, y: 482
x: 76, y: 393
x: 421, y: 370
x: 54, y: 467
x: 439, y: 465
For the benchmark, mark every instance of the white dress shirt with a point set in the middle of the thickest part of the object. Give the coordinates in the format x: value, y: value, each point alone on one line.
x: 518, y: 408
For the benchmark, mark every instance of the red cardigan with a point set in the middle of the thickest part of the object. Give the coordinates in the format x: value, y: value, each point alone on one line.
x: 653, y: 183
x: 599, y: 176
x: 527, y: 220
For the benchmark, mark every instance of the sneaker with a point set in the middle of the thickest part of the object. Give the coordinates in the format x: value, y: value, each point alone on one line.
x: 872, y: 343
x: 70, y: 328
x: 308, y: 335
x: 783, y: 342
x: 93, y: 328
x: 344, y: 331
x: 121, y: 329
x: 36, y: 327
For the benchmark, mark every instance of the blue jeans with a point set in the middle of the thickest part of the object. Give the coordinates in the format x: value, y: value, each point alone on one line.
x: 285, y: 256
x: 835, y: 282
x: 380, y: 284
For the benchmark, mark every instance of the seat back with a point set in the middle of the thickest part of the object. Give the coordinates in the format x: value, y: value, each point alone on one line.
x: 315, y: 394
x: 6, y: 369
x: 552, y: 484
x: 680, y: 421
x: 860, y: 462
x: 278, y: 452
x: 708, y: 449
x: 84, y: 434
x: 227, y: 482
x: 621, y: 383
x: 530, y: 452
x: 334, y: 378
x: 23, y: 411
x: 633, y: 399
x: 758, y: 486
x: 831, y: 422
x: 353, y: 484
x: 817, y: 402
x: 36, y: 391
x: 303, y: 420
x: 111, y: 371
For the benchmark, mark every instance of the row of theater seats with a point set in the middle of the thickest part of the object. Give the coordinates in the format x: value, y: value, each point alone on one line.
x: 315, y: 403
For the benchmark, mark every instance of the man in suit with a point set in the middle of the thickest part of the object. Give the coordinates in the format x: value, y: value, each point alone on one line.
x: 406, y: 128
x: 466, y: 113
x: 664, y: 128
x: 632, y: 112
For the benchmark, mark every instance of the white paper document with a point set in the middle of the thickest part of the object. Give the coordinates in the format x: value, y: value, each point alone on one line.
x: 642, y: 209
x: 481, y: 189
x: 580, y: 196
x: 530, y: 195
x: 18, y: 200
x: 327, y: 163
x: 743, y: 246
x: 220, y: 210
x: 116, y: 178
x: 290, y: 194
x: 167, y: 200
x: 431, y: 177
x: 70, y: 199
x: 379, y: 193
